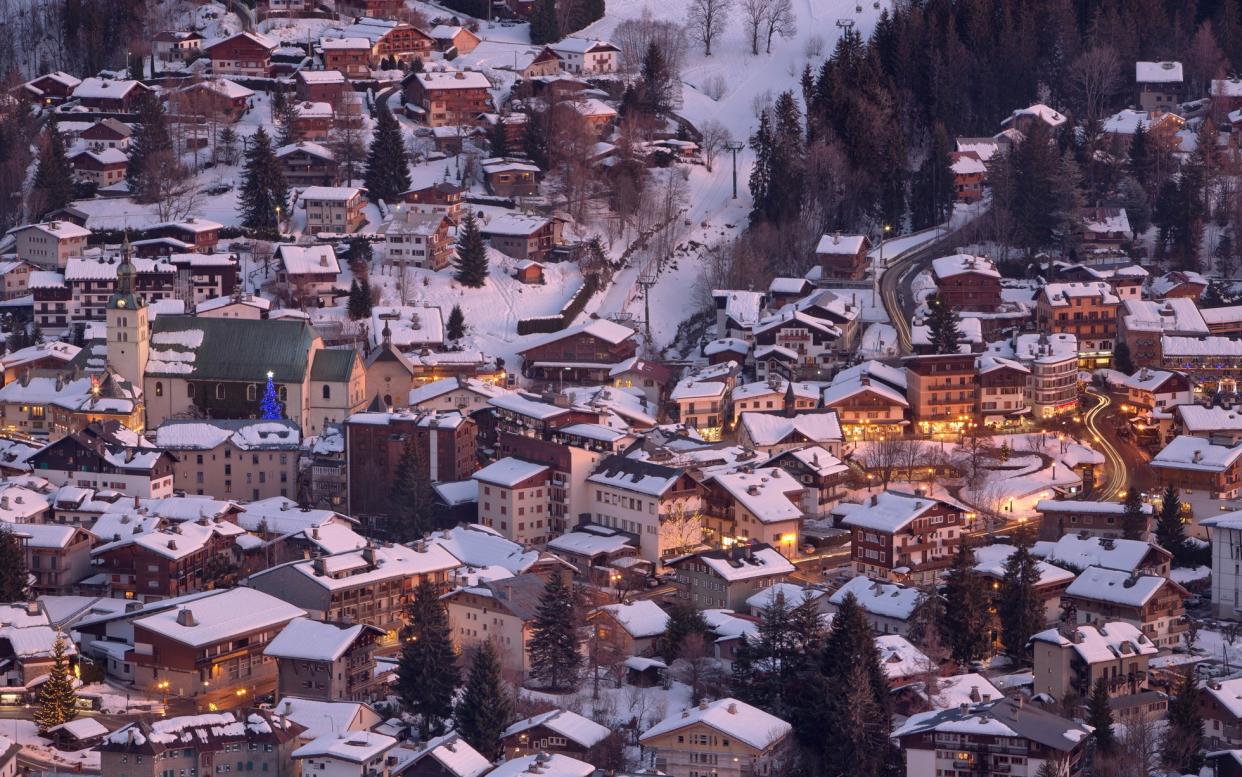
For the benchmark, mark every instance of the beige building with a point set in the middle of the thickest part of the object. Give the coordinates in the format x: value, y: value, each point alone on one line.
x: 723, y: 738
x: 333, y: 209
x: 1070, y: 660
x: 326, y: 661
x: 500, y: 611
x: 338, y: 383
x: 233, y: 459
x: 725, y: 579
x: 50, y: 245
x: 513, y: 499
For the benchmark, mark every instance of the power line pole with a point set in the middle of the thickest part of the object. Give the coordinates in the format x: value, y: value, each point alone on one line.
x: 734, y: 146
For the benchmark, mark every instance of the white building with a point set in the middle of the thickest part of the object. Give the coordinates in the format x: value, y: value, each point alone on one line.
x: 346, y: 754
x: 513, y: 500
x: 581, y: 56
x: 1225, y: 532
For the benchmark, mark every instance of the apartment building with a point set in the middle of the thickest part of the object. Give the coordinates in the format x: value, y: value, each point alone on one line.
x: 1087, y: 310
x: 943, y: 392
x: 900, y: 537
x: 336, y: 209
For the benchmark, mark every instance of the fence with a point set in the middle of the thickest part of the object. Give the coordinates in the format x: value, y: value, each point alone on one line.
x: 555, y: 323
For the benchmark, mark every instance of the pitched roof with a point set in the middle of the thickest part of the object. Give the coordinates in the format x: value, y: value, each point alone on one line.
x: 230, y: 348
x: 735, y: 718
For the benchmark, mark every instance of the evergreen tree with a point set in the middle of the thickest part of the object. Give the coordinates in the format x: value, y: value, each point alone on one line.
x: 655, y: 81
x: 1170, y: 531
x: 226, y: 145
x: 1019, y: 608
x: 285, y: 117
x: 388, y: 164
x: 1122, y: 360
x: 1134, y: 519
x: 359, y: 302
x: 56, y: 699
x: 12, y: 567
x: 965, y: 624
x: 498, y: 138
x: 269, y: 406
x: 1100, y: 717
x: 926, y: 618
x: 544, y: 27
x: 411, y: 501
x: 263, y: 189
x: 683, y: 620
x: 932, y: 195
x: 455, y: 329
x: 851, y: 734
x: 361, y: 255
x: 427, y: 671
x: 1140, y: 159
x: 761, y: 172
x: 150, y: 148
x: 553, y: 646
x: 943, y: 324
x: 471, y: 263
x: 53, y: 181
x: 1182, y: 748
x: 486, y: 706
x: 1135, y: 203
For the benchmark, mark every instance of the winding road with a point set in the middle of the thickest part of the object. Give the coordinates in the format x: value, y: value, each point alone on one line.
x: 1111, y: 488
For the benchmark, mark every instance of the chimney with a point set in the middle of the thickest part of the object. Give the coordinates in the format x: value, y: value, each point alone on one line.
x: 974, y: 694
x: 185, y: 617
x: 318, y: 567
x: 875, y: 499
x: 172, y: 544
x: 963, y: 708
x: 732, y: 708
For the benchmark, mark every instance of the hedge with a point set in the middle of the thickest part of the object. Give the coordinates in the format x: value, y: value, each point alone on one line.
x: 546, y: 324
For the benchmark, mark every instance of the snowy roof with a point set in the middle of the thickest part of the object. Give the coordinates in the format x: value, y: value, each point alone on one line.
x: 900, y: 659
x: 581, y: 45
x: 577, y: 729
x: 1059, y: 294
x: 80, y: 728
x: 729, y: 716
x: 307, y: 146
x: 1195, y: 453
x: 1152, y: 381
x: 743, y: 307
x: 438, y: 388
x: 1102, y: 642
x: 521, y: 405
x: 770, y: 494
x: 608, y: 331
x: 312, y: 640
x: 456, y: 755
x: 999, y: 718
x: 335, y: 44
x: 479, y: 546
x: 893, y: 376
x: 964, y: 264
x: 1175, y: 347
x: 1115, y: 586
x: 958, y: 689
x: 95, y: 88
x: 1228, y: 693
x: 408, y: 326
x: 1082, y: 552
x: 1080, y: 506
x: 255, y: 37
x: 359, y: 567
x: 640, y: 618
x: 353, y: 746
x: 776, y: 387
x: 840, y: 244
x: 216, y: 303
x: 693, y: 388
x: 635, y: 475
x: 889, y: 511
x: 590, y: 540
x: 967, y: 163
x: 877, y: 597
x: 322, y: 76
x: 326, y: 717
x: 1230, y: 314
x: 990, y: 560
x: 509, y: 472
x: 453, y: 79
x: 1176, y: 316
x: 744, y: 563
x: 841, y: 390
x: 228, y: 613
x: 765, y: 429
x: 331, y: 193
x: 1197, y: 419
x: 1126, y: 122
x: 545, y: 764
x: 1051, y: 117
x: 1158, y: 72
x: 794, y: 595
x: 60, y: 230
x: 245, y: 434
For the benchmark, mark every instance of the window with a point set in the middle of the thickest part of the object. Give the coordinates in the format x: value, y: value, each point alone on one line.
x: 327, y: 392
x: 159, y: 388
x: 219, y: 391
x: 252, y: 392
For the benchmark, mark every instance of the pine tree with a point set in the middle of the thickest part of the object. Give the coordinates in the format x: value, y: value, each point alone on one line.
x: 553, y: 646
x: 388, y: 164
x: 12, y: 567
x: 149, y: 147
x: 683, y: 620
x: 455, y: 329
x: 965, y: 624
x: 226, y: 145
x: 53, y: 181
x: 57, y: 701
x: 655, y: 81
x: 1170, y: 532
x: 269, y: 406
x: 1100, y: 717
x: 486, y: 706
x: 761, y: 173
x: 1019, y: 609
x: 498, y: 138
x: 943, y: 324
x: 427, y: 671
x: 932, y: 195
x: 1182, y: 748
x: 285, y: 117
x: 411, y: 501
x: 1133, y: 519
x: 263, y: 190
x: 543, y: 23
x: 356, y: 307
x: 471, y: 263
x: 1139, y: 160
x: 1122, y: 360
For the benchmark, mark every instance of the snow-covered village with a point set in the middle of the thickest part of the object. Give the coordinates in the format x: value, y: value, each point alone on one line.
x: 618, y: 388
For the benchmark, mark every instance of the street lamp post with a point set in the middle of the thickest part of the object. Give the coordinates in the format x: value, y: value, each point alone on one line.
x: 734, y: 146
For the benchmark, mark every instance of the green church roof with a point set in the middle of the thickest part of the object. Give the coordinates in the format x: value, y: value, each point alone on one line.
x: 233, y: 349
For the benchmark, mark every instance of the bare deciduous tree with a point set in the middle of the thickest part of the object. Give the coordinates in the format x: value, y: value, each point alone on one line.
x: 706, y: 21
x: 715, y: 136
x: 1096, y: 78
x: 754, y: 12
x: 347, y: 140
x: 697, y: 667
x: 780, y: 20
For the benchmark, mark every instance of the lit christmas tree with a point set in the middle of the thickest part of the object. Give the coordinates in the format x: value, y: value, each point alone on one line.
x: 57, y: 701
x: 270, y: 406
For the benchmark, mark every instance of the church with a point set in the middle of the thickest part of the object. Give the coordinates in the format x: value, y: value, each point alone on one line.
x: 196, y: 367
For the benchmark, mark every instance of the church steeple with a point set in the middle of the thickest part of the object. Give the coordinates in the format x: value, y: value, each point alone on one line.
x: 128, y: 334
x: 123, y: 297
